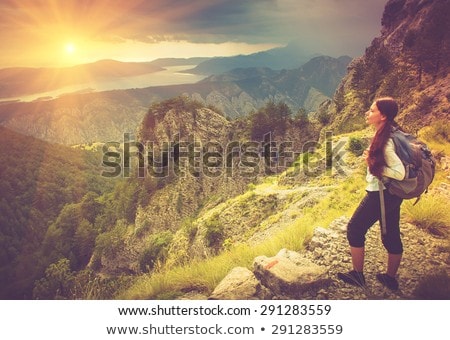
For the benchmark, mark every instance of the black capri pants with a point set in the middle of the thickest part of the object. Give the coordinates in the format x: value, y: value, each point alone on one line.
x: 368, y: 212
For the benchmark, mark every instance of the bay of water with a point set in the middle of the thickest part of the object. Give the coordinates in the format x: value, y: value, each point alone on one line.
x: 169, y: 76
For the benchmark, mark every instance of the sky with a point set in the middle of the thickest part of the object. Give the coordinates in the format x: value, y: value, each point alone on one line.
x: 55, y: 33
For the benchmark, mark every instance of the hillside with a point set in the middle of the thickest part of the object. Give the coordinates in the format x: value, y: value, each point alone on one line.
x: 57, y: 206
x: 200, y: 160
x: 408, y: 61
x: 298, y: 219
x: 304, y: 87
x: 38, y: 181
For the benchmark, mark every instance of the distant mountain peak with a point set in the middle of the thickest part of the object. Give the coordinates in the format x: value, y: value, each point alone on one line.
x: 288, y: 57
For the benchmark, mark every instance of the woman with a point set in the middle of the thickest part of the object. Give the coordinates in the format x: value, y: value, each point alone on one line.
x: 382, y: 162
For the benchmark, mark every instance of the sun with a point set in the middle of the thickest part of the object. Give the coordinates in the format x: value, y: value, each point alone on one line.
x: 70, y: 48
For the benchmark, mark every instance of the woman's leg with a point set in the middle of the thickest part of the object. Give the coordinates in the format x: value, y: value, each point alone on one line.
x: 393, y: 264
x: 357, y: 254
x: 388, y: 279
x: 392, y: 242
x: 363, y: 218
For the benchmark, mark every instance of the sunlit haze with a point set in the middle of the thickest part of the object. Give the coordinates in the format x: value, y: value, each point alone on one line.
x: 63, y: 33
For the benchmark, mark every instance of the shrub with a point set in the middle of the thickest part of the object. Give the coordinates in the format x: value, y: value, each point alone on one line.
x: 57, y: 282
x: 156, y: 251
x: 214, y: 233
x: 323, y: 117
x: 190, y: 228
x: 356, y: 146
x: 424, y: 103
x: 439, y: 130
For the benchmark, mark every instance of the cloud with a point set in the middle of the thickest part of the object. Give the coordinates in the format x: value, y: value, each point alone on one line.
x: 333, y: 27
x: 327, y: 24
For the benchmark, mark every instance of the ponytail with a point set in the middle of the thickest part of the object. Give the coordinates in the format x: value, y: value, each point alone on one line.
x: 376, y: 161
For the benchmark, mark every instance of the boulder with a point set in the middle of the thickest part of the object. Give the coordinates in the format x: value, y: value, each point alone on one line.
x: 289, y: 274
x: 240, y: 284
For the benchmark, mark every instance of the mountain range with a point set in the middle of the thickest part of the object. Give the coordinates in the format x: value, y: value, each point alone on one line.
x: 104, y: 116
x: 19, y: 81
x: 291, y: 56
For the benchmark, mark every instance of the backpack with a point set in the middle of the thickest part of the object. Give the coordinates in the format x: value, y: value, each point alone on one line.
x: 419, y: 165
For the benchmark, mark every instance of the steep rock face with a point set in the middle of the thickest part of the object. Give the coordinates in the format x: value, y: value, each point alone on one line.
x: 408, y: 61
x: 192, y: 177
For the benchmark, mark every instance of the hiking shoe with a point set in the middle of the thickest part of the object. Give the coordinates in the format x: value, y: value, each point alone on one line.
x: 388, y: 281
x: 352, y: 277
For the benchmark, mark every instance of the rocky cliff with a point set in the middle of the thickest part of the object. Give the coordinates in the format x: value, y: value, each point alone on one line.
x: 191, y: 177
x: 408, y: 61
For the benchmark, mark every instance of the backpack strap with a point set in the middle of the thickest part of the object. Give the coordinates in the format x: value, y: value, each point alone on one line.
x: 383, y: 208
x: 417, y: 155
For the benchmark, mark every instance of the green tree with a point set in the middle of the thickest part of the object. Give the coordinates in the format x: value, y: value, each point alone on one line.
x: 90, y: 207
x: 126, y: 195
x: 57, y: 282
x: 272, y: 118
x: 301, y: 119
x: 58, y: 241
x: 84, y: 242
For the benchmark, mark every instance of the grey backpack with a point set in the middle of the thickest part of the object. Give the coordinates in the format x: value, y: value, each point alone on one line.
x: 419, y: 163
x: 420, y: 167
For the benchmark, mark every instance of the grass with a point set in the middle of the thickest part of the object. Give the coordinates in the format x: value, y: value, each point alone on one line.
x: 431, y: 214
x: 437, y: 136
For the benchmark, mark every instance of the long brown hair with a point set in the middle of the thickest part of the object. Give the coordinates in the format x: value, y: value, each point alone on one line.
x: 376, y: 161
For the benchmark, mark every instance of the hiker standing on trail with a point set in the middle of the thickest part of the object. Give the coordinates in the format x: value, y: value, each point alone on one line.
x: 382, y: 162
